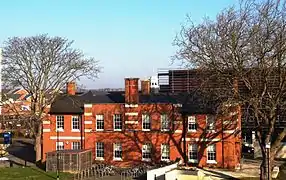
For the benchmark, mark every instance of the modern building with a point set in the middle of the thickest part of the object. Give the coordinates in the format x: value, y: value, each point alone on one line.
x: 186, y: 80
x: 134, y: 127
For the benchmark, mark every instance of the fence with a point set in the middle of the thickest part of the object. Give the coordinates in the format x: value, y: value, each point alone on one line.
x: 99, y: 171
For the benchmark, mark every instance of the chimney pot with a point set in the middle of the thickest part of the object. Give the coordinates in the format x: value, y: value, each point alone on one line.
x: 145, y: 87
x: 71, y: 88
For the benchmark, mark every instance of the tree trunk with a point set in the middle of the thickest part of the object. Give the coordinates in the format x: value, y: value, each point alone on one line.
x: 263, y: 170
x: 38, y: 144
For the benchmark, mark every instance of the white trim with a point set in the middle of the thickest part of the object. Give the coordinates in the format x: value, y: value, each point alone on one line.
x: 131, y: 105
x: 75, y: 130
x: 211, y: 162
x: 146, y: 130
x: 146, y: 160
x: 117, y: 129
x: 60, y: 130
x: 229, y: 131
x: 178, y: 131
x: 131, y: 114
x: 87, y: 122
x: 99, y: 159
x: 87, y: 130
x: 192, y: 131
x: 87, y: 105
x: 87, y: 114
x: 66, y: 137
x: 204, y: 139
x: 131, y: 122
x: 193, y: 161
x: 46, y: 122
x: 117, y: 159
x: 211, y: 131
x: 46, y: 130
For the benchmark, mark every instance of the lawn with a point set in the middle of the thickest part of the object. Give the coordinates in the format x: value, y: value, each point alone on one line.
x: 30, y: 174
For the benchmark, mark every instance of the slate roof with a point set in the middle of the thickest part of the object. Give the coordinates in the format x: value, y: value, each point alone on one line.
x: 192, y: 102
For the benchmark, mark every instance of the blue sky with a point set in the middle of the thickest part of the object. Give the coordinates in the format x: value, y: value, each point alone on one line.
x: 131, y: 38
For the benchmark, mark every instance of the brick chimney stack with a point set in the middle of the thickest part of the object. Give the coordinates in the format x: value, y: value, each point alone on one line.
x: 71, y: 88
x: 145, y: 87
x: 131, y: 91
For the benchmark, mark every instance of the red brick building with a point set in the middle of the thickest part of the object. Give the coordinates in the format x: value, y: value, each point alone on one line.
x: 134, y: 127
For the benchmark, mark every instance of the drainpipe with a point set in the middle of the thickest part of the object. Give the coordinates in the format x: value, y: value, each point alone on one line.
x: 222, y: 143
x: 81, y: 133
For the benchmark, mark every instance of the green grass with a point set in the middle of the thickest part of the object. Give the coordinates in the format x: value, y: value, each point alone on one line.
x: 30, y: 174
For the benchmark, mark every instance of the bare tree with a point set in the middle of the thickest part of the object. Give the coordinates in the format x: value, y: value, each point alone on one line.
x: 245, y: 45
x: 42, y: 65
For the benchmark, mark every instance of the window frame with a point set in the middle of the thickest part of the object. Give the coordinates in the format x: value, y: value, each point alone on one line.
x: 72, y: 123
x: 60, y: 144
x: 210, y: 124
x: 145, y: 121
x: 167, y: 151
x: 165, y: 117
x: 60, y: 118
x: 194, y: 149
x: 211, y: 148
x: 192, y: 120
x: 115, y: 117
x: 147, y: 149
x: 99, y: 118
x: 72, y: 145
x: 118, y: 148
x: 97, y: 150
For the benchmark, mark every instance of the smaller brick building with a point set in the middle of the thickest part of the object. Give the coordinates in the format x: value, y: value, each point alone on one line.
x: 133, y: 127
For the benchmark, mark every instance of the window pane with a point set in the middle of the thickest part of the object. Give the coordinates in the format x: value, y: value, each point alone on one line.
x: 117, y: 150
x: 165, y: 152
x: 211, y: 152
x: 60, y: 122
x: 76, y: 145
x: 146, y: 151
x: 146, y: 123
x: 211, y: 122
x: 192, y: 124
x: 164, y: 122
x: 100, y: 150
x: 117, y: 121
x: 193, y: 151
x: 75, y: 122
x: 99, y: 122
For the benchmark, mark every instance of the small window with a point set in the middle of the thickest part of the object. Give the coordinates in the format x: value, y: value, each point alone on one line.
x: 165, y: 152
x: 193, y: 153
x: 192, y: 123
x: 99, y: 150
x: 99, y: 122
x: 75, y: 123
x: 117, y: 122
x: 165, y: 123
x: 76, y: 145
x: 60, y: 122
x: 146, y: 122
x: 210, y: 122
x: 211, y: 153
x: 59, y: 146
x: 117, y: 147
x: 146, y: 152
